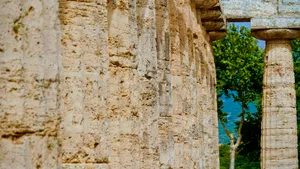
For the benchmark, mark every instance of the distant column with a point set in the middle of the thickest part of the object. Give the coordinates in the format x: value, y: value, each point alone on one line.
x: 279, y: 122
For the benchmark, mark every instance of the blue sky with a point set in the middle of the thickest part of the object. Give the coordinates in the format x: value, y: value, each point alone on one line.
x: 261, y: 43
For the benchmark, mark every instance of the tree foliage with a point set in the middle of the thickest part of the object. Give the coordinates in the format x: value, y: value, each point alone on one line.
x: 242, y: 162
x: 224, y: 156
x: 239, y: 66
x: 250, y: 144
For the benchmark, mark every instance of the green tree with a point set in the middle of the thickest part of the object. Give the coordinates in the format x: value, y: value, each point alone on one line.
x: 239, y: 67
x: 249, y: 149
x: 224, y: 156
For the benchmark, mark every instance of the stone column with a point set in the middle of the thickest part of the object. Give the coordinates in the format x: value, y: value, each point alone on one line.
x: 29, y: 94
x: 279, y: 124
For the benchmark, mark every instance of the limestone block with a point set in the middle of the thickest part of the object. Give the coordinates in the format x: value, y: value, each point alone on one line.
x: 206, y: 4
x: 29, y: 71
x: 30, y: 67
x: 290, y: 2
x: 216, y: 35
x: 276, y: 23
x: 281, y: 100
x: 29, y: 152
x: 214, y: 25
x: 282, y: 164
x: 85, y: 166
x: 243, y: 10
x: 209, y: 14
x: 280, y: 143
x: 264, y: 14
x: 289, y: 8
x: 84, y: 127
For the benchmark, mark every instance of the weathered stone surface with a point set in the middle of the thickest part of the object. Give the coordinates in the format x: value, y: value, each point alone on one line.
x: 279, y: 125
x: 85, y: 166
x: 29, y: 71
x: 206, y: 4
x: 271, y: 34
x: 29, y: 152
x: 97, y: 84
x: 209, y: 14
x: 289, y: 8
x: 275, y: 23
x: 244, y: 10
x: 83, y: 81
x: 213, y: 21
x: 29, y: 68
x: 264, y: 14
x: 216, y: 35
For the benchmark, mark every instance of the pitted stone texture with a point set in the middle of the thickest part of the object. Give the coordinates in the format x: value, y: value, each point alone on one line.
x: 206, y: 4
x: 84, y: 78
x: 289, y: 8
x: 275, y: 23
x: 213, y: 20
x: 271, y: 34
x: 216, y: 35
x: 29, y: 70
x: 154, y: 103
x: 267, y: 14
x: 133, y: 83
x: 29, y: 67
x: 279, y: 125
x: 29, y: 152
x: 245, y: 9
x: 85, y: 166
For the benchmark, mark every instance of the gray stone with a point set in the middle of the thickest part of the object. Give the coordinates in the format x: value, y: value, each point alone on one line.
x: 244, y: 10
x: 275, y: 23
x: 266, y: 14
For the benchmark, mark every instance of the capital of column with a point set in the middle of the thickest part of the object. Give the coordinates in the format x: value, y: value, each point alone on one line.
x: 216, y: 35
x: 276, y: 34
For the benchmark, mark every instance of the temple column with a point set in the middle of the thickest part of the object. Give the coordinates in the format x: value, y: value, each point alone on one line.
x: 279, y: 122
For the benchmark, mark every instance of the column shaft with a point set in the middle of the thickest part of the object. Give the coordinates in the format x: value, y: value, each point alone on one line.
x: 279, y: 124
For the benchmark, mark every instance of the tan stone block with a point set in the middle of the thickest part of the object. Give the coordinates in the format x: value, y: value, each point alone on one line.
x: 282, y: 164
x: 85, y: 166
x: 280, y: 142
x: 29, y: 152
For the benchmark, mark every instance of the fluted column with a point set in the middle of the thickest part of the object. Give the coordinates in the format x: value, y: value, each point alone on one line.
x: 279, y: 124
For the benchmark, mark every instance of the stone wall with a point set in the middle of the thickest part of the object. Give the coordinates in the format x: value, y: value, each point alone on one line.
x: 92, y: 84
x: 29, y: 80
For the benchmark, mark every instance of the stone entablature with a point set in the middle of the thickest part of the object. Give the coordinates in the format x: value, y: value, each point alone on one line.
x: 244, y: 10
x: 247, y: 9
x: 264, y: 14
x: 210, y: 14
